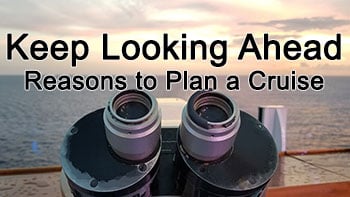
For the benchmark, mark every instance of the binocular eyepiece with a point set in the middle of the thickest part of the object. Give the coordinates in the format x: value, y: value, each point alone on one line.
x: 122, y: 149
x: 209, y: 125
x: 132, y: 125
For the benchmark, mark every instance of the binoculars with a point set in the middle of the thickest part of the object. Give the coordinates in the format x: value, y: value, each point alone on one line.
x: 123, y: 150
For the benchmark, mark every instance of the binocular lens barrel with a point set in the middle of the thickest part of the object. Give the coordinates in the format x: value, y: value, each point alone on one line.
x: 217, y: 146
x: 133, y: 124
x: 209, y: 125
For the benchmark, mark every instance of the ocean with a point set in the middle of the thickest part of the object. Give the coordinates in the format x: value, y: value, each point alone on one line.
x: 33, y: 123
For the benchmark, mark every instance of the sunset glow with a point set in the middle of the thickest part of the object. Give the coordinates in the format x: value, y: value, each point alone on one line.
x: 149, y: 20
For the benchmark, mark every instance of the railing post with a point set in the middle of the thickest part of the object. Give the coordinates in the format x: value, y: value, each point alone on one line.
x: 274, y: 118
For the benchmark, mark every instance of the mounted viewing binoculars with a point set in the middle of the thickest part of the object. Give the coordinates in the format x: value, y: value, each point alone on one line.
x: 123, y: 150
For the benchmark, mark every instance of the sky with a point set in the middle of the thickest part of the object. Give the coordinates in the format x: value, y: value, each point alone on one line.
x: 201, y: 19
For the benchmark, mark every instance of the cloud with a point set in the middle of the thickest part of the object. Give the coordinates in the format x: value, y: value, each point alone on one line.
x: 79, y: 17
x: 327, y: 68
x: 303, y: 24
x: 87, y: 17
x: 337, y: 67
x: 332, y: 69
x: 304, y: 65
x: 238, y: 39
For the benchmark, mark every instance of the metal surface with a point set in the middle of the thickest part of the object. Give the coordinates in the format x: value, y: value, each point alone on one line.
x: 216, y: 151
x: 244, y: 172
x: 92, y: 168
x: 274, y: 118
x: 132, y: 124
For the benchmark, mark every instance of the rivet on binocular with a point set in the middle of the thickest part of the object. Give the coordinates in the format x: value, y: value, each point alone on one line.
x: 123, y: 149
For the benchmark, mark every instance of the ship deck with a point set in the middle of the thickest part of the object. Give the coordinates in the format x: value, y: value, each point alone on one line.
x: 300, y: 173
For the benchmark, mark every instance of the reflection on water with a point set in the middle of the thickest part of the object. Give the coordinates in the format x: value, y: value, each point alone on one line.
x: 32, y: 124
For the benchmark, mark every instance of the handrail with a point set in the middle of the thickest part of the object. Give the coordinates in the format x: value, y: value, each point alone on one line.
x: 57, y: 168
x: 314, y: 151
x: 31, y: 170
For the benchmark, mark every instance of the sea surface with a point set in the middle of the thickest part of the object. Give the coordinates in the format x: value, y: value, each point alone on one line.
x: 33, y: 123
